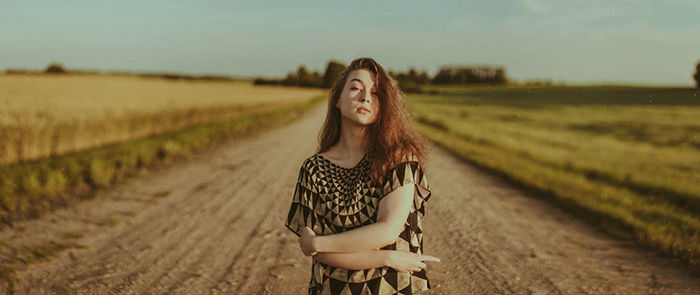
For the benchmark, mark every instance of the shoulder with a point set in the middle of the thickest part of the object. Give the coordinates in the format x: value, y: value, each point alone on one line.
x: 410, y: 161
x: 307, y: 171
x: 408, y: 170
x: 411, y: 158
x: 311, y: 162
x: 310, y: 165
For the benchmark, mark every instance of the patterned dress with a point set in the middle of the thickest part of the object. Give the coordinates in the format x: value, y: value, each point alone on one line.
x: 331, y: 199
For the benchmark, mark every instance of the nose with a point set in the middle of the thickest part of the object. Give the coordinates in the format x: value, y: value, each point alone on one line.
x: 366, y: 97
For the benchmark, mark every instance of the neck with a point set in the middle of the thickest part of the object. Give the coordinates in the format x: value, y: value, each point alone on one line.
x: 354, y: 139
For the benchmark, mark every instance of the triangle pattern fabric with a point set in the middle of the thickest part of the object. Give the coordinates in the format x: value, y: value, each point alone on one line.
x: 332, y: 199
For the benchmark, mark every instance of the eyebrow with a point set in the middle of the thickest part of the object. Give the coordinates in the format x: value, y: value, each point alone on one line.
x: 358, y: 80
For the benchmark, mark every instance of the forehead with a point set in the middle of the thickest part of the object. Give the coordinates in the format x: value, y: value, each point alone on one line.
x: 363, y: 75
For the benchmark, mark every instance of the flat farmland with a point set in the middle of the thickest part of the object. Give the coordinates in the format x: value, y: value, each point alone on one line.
x: 48, y: 115
x: 624, y: 158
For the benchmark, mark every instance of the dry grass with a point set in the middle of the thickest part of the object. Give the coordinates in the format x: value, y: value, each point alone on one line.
x: 52, y: 115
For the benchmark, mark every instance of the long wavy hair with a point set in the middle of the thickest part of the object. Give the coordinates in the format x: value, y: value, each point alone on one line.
x: 392, y: 137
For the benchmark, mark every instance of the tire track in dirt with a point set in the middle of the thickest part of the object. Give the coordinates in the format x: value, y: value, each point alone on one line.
x: 201, y: 259
x: 189, y: 250
x: 175, y: 252
x: 144, y: 260
x: 214, y: 224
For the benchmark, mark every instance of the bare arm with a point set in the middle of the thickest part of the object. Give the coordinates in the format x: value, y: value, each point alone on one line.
x: 403, y: 261
x: 355, y: 261
x: 391, y: 216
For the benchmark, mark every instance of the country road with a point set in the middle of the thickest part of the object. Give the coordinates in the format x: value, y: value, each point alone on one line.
x: 214, y: 224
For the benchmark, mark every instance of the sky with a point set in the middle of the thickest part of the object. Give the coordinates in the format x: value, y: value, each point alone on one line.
x: 571, y: 41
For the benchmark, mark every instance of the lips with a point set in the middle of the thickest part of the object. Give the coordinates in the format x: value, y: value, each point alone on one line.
x: 361, y: 108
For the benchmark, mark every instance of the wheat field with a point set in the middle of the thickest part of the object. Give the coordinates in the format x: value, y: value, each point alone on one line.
x: 49, y: 115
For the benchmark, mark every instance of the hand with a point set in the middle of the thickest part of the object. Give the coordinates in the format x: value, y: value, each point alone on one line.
x: 405, y: 261
x: 306, y: 241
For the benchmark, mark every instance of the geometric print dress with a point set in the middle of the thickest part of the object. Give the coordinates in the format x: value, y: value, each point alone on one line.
x: 331, y: 199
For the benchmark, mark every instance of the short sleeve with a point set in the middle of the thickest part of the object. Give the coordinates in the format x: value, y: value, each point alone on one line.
x: 301, y: 211
x: 409, y: 172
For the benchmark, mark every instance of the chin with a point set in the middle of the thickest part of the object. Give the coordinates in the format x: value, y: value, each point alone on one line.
x: 361, y: 120
x: 364, y: 122
x: 367, y: 123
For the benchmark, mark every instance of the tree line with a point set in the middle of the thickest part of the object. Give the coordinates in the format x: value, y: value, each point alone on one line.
x: 410, y: 81
x: 56, y: 68
x: 305, y: 78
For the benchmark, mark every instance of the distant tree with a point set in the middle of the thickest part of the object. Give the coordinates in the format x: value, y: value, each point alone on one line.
x: 55, y: 68
x: 697, y: 75
x: 470, y: 74
x: 444, y: 76
x: 500, y: 76
x: 264, y: 81
x: 333, y: 70
x: 16, y: 71
x: 303, y: 78
x: 412, y: 80
x: 313, y: 79
x: 423, y: 78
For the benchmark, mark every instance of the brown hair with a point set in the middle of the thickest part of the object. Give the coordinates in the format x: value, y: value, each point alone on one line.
x: 392, y: 137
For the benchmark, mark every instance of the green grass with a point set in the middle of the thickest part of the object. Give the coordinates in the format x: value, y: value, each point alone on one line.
x: 626, y: 159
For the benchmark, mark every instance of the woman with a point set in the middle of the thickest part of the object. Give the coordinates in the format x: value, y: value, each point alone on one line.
x: 359, y: 201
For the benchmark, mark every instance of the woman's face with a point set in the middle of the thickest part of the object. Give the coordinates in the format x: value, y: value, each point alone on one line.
x: 358, y: 101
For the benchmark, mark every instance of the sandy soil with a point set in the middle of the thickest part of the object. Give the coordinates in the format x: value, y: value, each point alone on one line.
x: 215, y: 225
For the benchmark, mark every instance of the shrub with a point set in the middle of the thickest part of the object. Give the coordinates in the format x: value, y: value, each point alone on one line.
x: 56, y: 68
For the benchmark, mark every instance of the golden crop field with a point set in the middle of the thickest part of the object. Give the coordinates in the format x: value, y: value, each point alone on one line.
x: 625, y: 158
x: 51, y: 115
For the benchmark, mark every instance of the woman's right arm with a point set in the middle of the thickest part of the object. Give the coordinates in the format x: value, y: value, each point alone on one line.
x: 355, y: 261
x: 402, y: 261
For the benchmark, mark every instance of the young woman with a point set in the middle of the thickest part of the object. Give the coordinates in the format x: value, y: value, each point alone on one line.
x: 358, y: 203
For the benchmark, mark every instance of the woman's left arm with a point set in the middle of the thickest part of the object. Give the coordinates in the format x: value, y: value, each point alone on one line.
x: 392, y: 213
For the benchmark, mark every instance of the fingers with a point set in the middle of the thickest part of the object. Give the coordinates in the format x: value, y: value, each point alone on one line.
x: 429, y: 258
x: 412, y: 262
x: 415, y: 269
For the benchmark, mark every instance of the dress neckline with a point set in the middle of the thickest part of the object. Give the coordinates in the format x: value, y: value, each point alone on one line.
x: 364, y: 157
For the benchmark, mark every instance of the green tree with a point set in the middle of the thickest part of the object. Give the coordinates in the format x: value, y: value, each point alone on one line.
x: 333, y: 70
x: 55, y: 68
x: 303, y: 77
x: 697, y: 75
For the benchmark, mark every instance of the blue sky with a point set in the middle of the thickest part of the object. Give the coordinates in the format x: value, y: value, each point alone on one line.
x: 576, y: 41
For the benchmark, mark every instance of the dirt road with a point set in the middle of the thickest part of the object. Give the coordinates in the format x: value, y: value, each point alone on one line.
x: 215, y: 225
